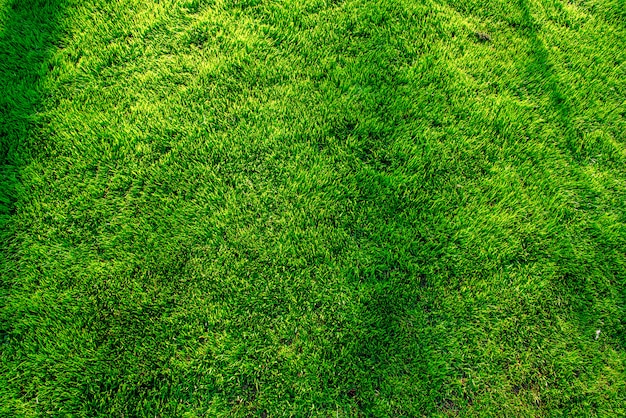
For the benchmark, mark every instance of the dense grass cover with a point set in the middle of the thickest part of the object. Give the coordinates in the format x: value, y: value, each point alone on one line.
x: 313, y: 208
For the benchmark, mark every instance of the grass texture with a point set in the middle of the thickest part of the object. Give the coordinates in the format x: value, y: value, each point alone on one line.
x: 317, y: 208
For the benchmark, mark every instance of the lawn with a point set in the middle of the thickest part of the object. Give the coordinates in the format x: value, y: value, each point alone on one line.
x: 324, y: 208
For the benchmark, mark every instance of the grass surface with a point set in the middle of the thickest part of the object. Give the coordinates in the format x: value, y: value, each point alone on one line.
x: 313, y: 208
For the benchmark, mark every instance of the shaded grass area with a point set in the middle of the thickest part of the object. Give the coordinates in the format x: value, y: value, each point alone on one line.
x: 28, y: 33
x: 313, y: 208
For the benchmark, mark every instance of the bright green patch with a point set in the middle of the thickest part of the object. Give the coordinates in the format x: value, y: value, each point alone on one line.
x: 313, y: 208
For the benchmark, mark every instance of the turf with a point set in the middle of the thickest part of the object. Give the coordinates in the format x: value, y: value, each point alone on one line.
x: 313, y: 208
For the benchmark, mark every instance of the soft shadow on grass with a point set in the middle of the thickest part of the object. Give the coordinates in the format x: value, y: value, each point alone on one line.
x: 540, y: 70
x: 577, y: 272
x: 28, y: 32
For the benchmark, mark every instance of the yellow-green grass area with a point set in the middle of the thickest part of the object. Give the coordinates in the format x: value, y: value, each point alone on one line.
x: 312, y: 208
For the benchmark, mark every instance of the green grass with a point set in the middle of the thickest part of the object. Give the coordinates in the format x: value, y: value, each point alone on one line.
x: 312, y: 208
